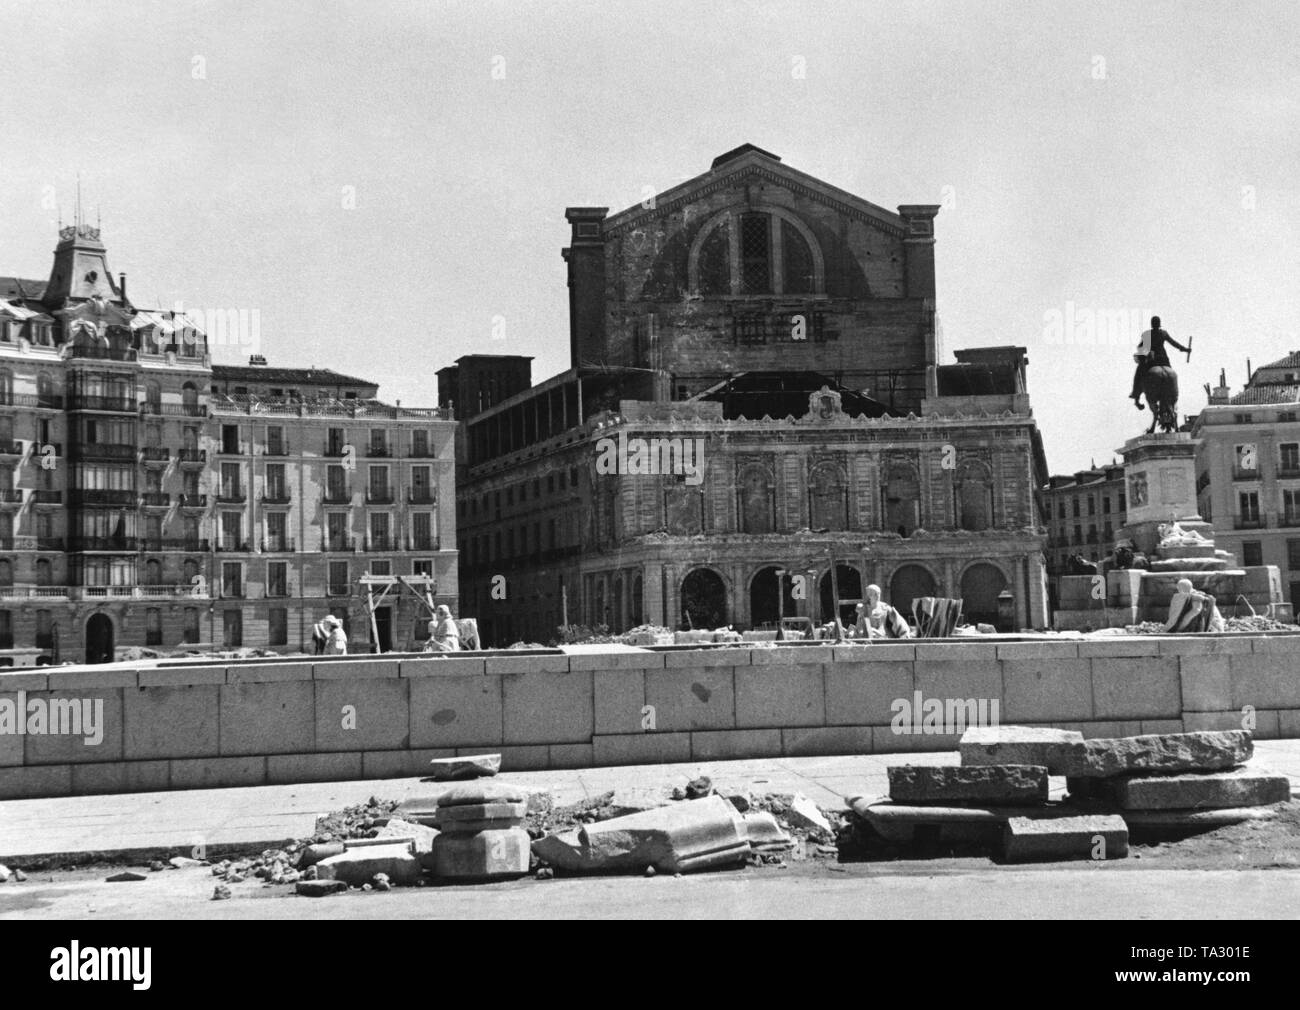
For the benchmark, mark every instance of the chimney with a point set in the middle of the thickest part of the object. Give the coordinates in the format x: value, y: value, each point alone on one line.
x: 1220, y: 393
x: 257, y: 361
x: 121, y: 284
x: 918, y: 248
x: 585, y: 256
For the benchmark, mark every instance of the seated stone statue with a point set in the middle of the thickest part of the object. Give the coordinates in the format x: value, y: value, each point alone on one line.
x: 1191, y: 610
x: 877, y: 619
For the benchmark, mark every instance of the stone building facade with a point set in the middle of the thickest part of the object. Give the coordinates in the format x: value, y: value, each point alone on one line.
x: 1248, y: 469
x: 1084, y: 512
x: 151, y: 498
x: 781, y: 334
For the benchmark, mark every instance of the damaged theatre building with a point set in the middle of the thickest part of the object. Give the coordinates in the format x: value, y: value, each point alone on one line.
x: 755, y: 396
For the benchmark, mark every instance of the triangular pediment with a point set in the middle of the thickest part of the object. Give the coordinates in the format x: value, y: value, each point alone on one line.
x: 740, y: 166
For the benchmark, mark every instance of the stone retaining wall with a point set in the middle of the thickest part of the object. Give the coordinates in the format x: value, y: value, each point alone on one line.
x: 180, y: 726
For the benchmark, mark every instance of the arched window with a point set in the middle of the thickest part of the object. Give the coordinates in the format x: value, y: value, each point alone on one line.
x: 189, y: 397
x: 153, y: 572
x: 764, y: 251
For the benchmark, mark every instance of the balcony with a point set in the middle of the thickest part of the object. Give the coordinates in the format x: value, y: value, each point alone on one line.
x: 421, y: 496
x: 232, y: 592
x: 193, y: 501
x: 193, y: 457
x: 233, y: 547
x: 102, y: 353
x: 378, y: 452
x: 156, y: 499
x: 154, y: 454
x: 48, y: 543
x: 337, y: 544
x: 276, y: 496
x: 168, y: 591
x: 276, y: 449
x: 33, y: 593
x: 379, y: 496
x: 1285, y: 472
x: 13, y: 496
x: 335, y: 589
x: 99, y: 496
x: 115, y: 545
x: 174, y: 409
x: 334, y: 448
x: 337, y: 496
x: 278, y: 545
x: 1289, y: 518
x: 424, y: 544
x: 1257, y: 521
x: 1240, y: 474
x: 231, y: 496
x: 233, y: 449
x: 112, y: 404
x: 11, y: 447
x: 156, y: 544
x: 37, y: 401
x: 423, y: 452
x: 382, y: 544
x: 106, y: 452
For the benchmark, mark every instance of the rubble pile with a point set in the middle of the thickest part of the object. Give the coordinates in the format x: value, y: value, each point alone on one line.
x: 997, y: 798
x: 1251, y: 625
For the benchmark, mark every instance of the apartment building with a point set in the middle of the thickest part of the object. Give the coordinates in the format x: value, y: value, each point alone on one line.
x: 149, y: 498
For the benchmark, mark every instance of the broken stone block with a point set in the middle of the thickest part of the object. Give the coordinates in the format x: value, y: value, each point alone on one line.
x: 323, y: 850
x: 1021, y: 785
x: 221, y: 893
x: 764, y: 833
x: 564, y: 850
x: 483, y: 791
x: 902, y: 823
x: 483, y: 855
x: 418, y: 811
x: 1171, y: 820
x: 1241, y: 788
x: 803, y: 813
x: 320, y: 888
x: 631, y: 801
x: 511, y: 815
x: 359, y: 866
x: 739, y: 798
x: 421, y: 837
x: 1102, y: 836
x: 697, y: 835
x: 1165, y: 753
x: 1019, y: 745
x: 454, y: 768
x: 180, y: 862
x: 4, y: 873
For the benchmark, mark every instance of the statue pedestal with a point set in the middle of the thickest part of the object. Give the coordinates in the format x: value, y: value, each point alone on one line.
x: 1160, y: 482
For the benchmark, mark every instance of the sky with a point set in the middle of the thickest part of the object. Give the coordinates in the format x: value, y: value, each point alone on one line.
x: 380, y: 186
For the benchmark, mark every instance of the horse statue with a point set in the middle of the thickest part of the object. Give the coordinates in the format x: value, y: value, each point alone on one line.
x: 1160, y: 386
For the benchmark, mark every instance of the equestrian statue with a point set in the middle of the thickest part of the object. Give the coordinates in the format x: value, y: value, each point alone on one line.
x: 1156, y: 378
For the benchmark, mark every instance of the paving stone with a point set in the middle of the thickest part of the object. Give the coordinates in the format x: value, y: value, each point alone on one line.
x: 483, y: 791
x: 1091, y: 837
x: 480, y: 856
x: 1240, y: 788
x: 320, y: 888
x: 1166, y: 753
x: 450, y: 769
x: 359, y: 865
x: 988, y: 784
x: 510, y: 814
x: 1020, y: 745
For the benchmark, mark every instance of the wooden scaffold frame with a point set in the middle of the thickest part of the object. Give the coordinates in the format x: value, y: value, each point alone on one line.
x: 386, y: 584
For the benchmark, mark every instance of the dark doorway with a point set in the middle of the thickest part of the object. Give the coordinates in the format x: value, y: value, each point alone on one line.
x: 704, y: 600
x: 980, y: 586
x: 384, y: 627
x: 99, y: 639
x: 908, y: 583
x: 850, y: 589
x: 763, y: 608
